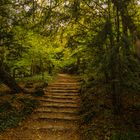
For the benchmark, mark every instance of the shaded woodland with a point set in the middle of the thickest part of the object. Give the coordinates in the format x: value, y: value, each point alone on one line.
x: 97, y: 40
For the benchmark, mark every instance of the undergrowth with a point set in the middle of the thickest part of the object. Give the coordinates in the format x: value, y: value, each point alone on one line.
x: 36, y: 78
x: 15, y: 109
x: 98, y: 121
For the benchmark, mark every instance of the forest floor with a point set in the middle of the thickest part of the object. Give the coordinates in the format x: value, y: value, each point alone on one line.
x: 99, y: 120
x: 56, y: 118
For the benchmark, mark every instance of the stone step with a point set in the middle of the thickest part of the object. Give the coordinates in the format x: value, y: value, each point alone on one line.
x: 58, y: 109
x: 54, y: 111
x: 62, y: 108
x: 61, y: 88
x: 61, y: 91
x: 65, y: 84
x: 58, y: 100
x: 67, y: 80
x: 61, y: 96
x: 59, y: 104
x: 54, y: 115
x: 55, y: 119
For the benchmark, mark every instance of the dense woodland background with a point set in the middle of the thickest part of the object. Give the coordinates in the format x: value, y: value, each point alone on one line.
x: 99, y: 40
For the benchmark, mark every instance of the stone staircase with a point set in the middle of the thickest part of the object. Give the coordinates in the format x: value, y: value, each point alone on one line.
x: 57, y: 116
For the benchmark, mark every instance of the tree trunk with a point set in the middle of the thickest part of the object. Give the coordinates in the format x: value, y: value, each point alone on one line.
x: 129, y: 23
x: 9, y: 81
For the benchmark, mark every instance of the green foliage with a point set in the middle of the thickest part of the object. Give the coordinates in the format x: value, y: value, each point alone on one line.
x: 36, y: 78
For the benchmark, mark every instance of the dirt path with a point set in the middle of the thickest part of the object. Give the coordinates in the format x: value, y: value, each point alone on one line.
x: 56, y: 118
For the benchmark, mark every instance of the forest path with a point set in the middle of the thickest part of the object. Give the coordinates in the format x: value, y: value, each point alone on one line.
x: 57, y: 116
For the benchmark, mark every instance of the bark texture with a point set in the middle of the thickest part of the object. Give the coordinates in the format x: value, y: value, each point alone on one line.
x: 8, y: 80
